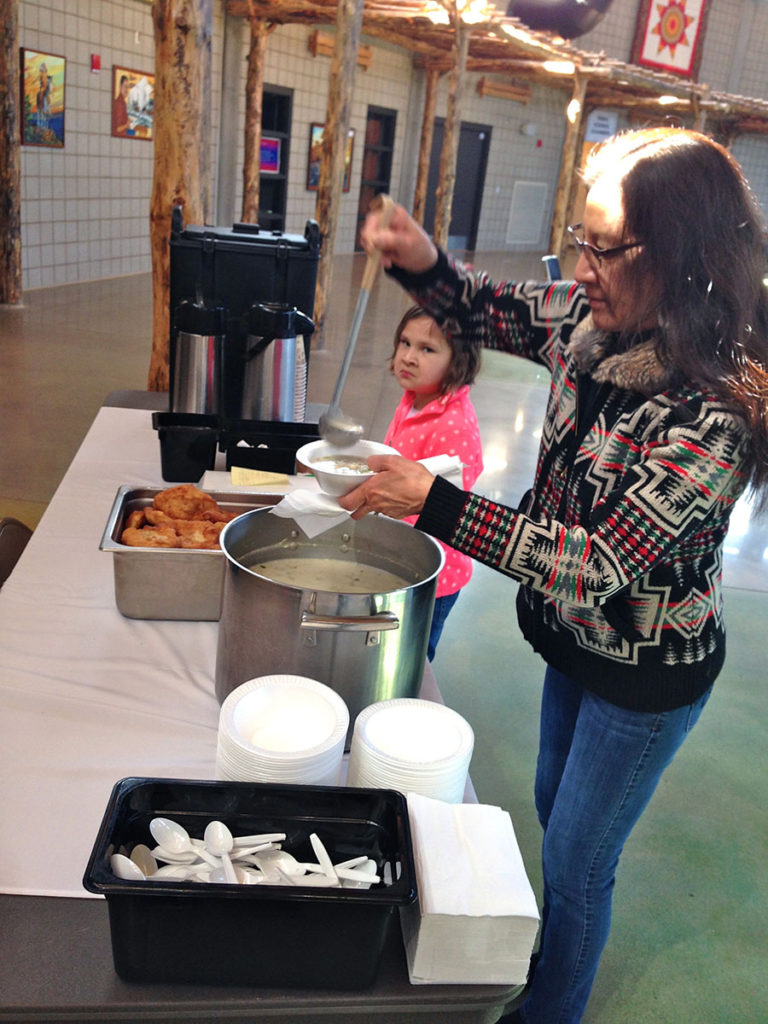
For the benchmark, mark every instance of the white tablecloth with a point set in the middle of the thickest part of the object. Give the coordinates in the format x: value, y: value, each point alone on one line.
x: 87, y: 696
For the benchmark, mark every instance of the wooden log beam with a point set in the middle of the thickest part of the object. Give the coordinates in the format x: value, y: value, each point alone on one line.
x: 503, y: 90
x: 566, y: 185
x: 321, y: 44
x: 10, y: 158
x: 254, y: 95
x: 425, y: 145
x: 183, y: 34
x: 342, y: 79
x: 449, y: 153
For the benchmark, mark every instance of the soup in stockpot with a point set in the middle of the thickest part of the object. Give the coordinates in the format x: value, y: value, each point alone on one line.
x: 332, y: 574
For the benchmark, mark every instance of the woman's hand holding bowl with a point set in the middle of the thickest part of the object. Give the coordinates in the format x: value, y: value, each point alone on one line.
x: 398, y: 488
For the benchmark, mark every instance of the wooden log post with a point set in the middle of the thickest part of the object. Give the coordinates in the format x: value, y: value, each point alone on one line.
x: 566, y: 185
x: 449, y: 152
x: 10, y: 159
x: 183, y: 33
x: 349, y: 21
x: 425, y: 145
x: 254, y: 95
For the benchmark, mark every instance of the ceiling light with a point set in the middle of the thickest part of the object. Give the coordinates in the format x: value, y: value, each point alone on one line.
x: 559, y: 67
x: 471, y: 12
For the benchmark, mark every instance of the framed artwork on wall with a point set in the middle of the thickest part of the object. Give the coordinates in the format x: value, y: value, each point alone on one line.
x: 269, y: 162
x: 670, y: 35
x: 316, y: 152
x: 133, y: 103
x: 42, y: 98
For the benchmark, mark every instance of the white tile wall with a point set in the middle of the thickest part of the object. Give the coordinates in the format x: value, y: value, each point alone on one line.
x: 85, y: 209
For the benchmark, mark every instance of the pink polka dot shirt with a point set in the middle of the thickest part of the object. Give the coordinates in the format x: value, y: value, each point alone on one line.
x: 446, y: 426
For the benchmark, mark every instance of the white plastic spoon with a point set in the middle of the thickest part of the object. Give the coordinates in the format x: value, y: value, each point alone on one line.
x: 240, y: 853
x: 175, y: 872
x: 143, y: 857
x: 185, y: 857
x: 322, y: 856
x: 219, y: 841
x: 284, y: 878
x: 362, y: 877
x: 125, y: 868
x: 170, y: 835
x: 241, y: 876
x: 265, y: 837
x: 175, y: 841
x: 321, y: 881
x: 353, y: 862
x: 272, y: 861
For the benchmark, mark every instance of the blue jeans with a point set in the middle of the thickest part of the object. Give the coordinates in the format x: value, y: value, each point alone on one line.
x: 442, y: 606
x: 598, y: 767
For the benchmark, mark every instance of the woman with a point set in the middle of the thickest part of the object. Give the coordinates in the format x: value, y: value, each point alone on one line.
x: 657, y: 421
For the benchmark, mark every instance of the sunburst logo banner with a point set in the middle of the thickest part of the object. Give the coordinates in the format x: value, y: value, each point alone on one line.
x: 670, y: 34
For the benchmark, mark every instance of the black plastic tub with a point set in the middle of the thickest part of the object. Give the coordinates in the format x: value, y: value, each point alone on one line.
x: 272, y: 936
x: 269, y: 445
x: 188, y: 443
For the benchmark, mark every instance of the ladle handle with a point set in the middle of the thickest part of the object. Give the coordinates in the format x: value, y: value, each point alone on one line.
x: 387, y: 206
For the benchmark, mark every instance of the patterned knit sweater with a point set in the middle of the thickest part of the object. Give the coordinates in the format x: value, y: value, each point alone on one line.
x: 618, y: 546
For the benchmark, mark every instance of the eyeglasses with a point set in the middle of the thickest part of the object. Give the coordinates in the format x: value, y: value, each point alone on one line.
x: 576, y: 232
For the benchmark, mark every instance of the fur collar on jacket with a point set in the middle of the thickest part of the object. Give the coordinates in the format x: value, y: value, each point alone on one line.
x: 638, y: 369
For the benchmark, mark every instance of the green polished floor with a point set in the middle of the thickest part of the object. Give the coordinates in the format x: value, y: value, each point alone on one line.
x: 690, y: 929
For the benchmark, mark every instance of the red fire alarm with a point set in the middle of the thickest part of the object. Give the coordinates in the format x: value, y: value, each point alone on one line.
x: 95, y: 62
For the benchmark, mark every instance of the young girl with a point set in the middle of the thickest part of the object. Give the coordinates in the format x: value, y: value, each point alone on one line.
x: 434, y: 366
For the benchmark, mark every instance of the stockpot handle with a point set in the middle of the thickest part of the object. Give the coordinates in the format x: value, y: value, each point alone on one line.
x: 350, y: 623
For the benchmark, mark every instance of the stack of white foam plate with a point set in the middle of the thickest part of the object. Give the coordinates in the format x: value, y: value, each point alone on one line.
x: 414, y: 746
x: 282, y: 728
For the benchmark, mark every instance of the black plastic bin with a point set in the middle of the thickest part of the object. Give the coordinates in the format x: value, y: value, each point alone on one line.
x: 275, y: 936
x: 188, y: 444
x: 265, y: 444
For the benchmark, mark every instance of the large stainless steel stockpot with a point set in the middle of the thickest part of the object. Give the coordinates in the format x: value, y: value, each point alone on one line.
x: 368, y: 647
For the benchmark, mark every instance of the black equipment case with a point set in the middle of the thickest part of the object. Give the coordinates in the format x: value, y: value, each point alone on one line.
x: 234, y: 268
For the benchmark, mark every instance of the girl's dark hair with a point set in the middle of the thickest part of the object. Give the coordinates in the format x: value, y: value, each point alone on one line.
x: 465, y: 355
x: 701, y: 266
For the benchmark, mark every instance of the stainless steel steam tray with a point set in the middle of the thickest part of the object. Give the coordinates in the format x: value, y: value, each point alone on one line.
x: 169, y: 583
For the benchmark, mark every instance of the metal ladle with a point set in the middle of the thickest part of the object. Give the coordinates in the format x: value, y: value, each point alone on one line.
x: 337, y: 429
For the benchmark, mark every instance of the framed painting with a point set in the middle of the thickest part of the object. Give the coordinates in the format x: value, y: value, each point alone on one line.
x: 670, y: 34
x: 316, y: 152
x: 42, y: 98
x: 133, y: 103
x: 269, y: 162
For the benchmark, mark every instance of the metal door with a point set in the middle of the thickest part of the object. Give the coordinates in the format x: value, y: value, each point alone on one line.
x: 471, y: 162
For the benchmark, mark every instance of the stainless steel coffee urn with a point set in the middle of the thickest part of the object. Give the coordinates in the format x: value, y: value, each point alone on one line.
x: 198, y: 358
x: 275, y: 363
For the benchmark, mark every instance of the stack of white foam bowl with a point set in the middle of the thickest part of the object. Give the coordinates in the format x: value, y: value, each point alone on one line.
x: 411, y: 745
x: 282, y: 728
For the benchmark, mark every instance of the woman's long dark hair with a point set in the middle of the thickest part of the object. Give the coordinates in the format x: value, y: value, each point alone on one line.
x: 704, y: 248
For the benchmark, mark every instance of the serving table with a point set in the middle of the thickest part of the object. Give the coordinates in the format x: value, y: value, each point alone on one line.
x: 88, y: 697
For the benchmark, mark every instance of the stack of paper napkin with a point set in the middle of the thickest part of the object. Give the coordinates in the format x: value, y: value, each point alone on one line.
x: 476, y: 918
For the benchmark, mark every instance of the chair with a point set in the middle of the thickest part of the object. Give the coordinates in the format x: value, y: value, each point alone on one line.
x: 552, y: 264
x: 13, y: 539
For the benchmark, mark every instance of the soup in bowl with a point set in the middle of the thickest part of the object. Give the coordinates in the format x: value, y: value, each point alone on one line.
x: 339, y: 470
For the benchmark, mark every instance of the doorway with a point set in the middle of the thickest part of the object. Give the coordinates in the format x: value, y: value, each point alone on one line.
x: 377, y: 161
x: 471, y: 163
x: 276, y: 107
